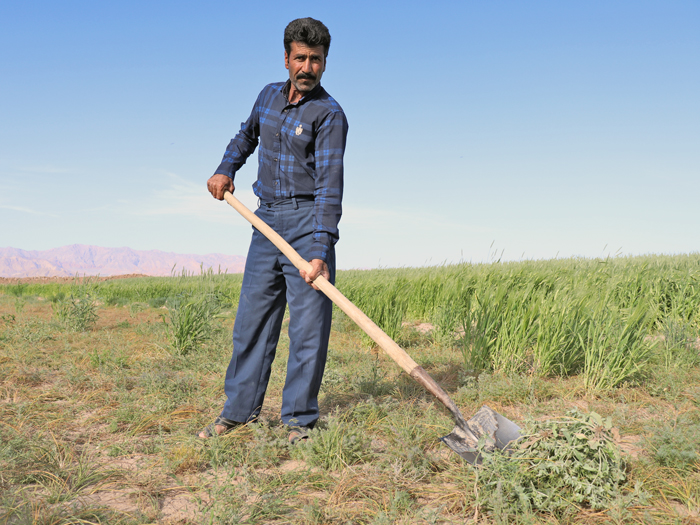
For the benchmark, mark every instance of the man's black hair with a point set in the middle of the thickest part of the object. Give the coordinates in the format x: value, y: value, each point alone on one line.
x: 307, y: 31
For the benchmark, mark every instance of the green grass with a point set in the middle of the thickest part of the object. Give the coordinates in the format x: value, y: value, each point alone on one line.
x: 97, y: 424
x: 335, y: 445
x: 189, y: 322
x: 76, y: 313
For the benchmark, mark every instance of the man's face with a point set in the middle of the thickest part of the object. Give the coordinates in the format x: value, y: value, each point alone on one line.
x: 306, y: 66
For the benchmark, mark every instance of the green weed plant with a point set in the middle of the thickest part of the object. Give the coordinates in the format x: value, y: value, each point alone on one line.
x: 558, y: 467
x: 680, y: 347
x: 75, y: 306
x: 76, y: 313
x: 189, y: 323
x: 335, y: 446
x: 677, y: 444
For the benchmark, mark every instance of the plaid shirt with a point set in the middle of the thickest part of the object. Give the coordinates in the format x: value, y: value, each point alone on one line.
x: 301, y: 155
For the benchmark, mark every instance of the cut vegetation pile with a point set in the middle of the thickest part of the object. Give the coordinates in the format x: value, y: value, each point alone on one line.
x: 103, y: 385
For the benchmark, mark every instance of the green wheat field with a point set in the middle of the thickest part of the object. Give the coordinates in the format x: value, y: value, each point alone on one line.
x: 103, y: 385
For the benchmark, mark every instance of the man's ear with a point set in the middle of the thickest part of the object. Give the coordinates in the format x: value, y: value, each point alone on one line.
x: 286, y: 60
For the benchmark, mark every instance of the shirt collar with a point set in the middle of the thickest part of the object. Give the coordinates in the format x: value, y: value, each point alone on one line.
x: 310, y: 95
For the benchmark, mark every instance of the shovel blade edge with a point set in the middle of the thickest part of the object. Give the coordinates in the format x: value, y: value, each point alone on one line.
x: 456, y: 442
x: 496, y: 430
x: 507, y: 431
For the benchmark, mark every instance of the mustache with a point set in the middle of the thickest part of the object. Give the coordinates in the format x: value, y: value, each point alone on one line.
x: 306, y: 76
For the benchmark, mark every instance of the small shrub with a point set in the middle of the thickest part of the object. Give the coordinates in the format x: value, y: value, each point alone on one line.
x: 369, y: 413
x: 56, y: 297
x: 20, y: 303
x: 400, y: 504
x: 677, y: 446
x: 105, y: 360
x: 672, y: 384
x: 185, y: 458
x: 410, y: 434
x: 229, y: 451
x: 116, y: 301
x: 77, y: 313
x: 16, y: 289
x: 333, y: 378
x: 189, y: 324
x: 269, y: 447
x: 373, y: 382
x: 335, y: 447
x: 157, y: 302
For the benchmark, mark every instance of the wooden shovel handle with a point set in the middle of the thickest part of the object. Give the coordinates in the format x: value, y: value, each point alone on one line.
x: 397, y: 353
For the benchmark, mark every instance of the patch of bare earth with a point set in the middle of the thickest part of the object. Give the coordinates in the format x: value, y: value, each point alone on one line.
x: 631, y: 445
x: 144, y: 490
x: 179, y: 507
x: 423, y: 328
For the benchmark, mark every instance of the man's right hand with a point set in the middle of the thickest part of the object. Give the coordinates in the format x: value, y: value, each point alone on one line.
x: 219, y: 184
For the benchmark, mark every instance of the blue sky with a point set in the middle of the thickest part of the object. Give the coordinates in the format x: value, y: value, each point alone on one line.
x: 477, y: 129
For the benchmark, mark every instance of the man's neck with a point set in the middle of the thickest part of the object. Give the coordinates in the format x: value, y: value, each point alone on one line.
x: 293, y: 95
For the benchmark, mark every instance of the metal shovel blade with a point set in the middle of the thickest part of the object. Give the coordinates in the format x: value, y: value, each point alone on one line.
x: 496, y: 430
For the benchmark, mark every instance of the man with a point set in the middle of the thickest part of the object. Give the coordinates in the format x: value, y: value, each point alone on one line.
x: 302, y: 132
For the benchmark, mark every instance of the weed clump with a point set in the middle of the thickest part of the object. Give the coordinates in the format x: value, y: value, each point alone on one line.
x: 189, y: 323
x: 335, y: 447
x: 77, y: 313
x: 558, y: 467
x: 677, y: 446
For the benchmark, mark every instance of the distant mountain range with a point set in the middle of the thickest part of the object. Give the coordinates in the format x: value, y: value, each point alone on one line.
x: 67, y: 261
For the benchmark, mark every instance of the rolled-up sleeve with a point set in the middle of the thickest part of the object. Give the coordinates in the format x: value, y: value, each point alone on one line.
x: 241, y: 146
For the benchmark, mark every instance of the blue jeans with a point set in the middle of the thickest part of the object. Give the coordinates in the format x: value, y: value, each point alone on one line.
x: 270, y: 282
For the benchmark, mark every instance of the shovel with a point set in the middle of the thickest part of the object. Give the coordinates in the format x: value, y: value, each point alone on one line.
x: 486, y: 431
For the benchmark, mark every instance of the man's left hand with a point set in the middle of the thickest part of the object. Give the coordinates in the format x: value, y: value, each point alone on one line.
x: 318, y: 267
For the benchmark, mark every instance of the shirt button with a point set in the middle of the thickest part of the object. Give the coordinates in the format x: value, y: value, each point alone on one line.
x: 277, y: 134
x: 276, y: 160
